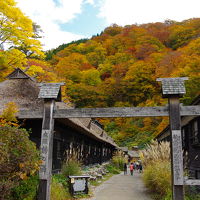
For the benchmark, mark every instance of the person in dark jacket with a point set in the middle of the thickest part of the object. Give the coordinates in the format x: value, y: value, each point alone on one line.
x: 140, y: 167
x: 125, y: 168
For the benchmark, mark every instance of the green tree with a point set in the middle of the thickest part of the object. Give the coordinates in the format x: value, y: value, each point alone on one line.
x: 91, y: 77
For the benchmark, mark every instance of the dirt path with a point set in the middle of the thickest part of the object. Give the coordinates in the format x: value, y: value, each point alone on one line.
x: 122, y: 187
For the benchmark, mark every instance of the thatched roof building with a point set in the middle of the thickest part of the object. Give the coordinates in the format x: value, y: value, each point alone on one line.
x: 24, y: 90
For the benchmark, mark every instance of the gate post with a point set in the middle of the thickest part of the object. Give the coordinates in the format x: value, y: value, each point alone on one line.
x: 176, y: 149
x: 46, y: 148
x: 49, y: 92
x: 173, y: 88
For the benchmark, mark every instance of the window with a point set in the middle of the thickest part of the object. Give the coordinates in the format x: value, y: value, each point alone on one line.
x: 183, y: 136
x: 197, y: 174
x: 58, y: 150
x: 195, y: 132
x: 185, y: 141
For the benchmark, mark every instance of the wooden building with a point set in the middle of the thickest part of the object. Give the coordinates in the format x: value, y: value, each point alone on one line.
x: 190, y: 126
x: 83, y: 136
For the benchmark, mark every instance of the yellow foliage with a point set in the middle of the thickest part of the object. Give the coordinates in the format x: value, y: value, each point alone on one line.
x: 11, y: 59
x: 23, y: 176
x: 8, y: 117
x: 16, y: 28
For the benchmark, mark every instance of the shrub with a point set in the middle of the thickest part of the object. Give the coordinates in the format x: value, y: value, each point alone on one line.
x: 19, y: 158
x: 157, y: 168
x: 118, y: 161
x: 71, y: 167
x: 8, y: 117
x: 59, y: 189
x: 157, y: 177
x: 26, y: 190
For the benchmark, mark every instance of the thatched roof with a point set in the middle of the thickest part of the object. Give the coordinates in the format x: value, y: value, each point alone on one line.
x: 24, y: 92
x: 134, y: 154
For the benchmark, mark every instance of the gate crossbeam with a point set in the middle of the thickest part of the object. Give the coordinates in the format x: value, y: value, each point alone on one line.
x: 111, y: 112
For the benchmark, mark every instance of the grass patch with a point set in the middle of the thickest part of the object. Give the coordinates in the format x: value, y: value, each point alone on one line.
x: 112, y: 169
x: 59, y: 188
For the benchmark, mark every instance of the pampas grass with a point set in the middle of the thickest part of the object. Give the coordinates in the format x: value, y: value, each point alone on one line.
x: 157, y: 168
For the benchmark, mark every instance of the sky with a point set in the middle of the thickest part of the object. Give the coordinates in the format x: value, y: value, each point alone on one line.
x: 63, y: 21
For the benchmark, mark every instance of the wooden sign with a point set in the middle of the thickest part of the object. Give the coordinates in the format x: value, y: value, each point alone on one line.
x: 78, y: 184
x: 44, y: 149
x: 177, y: 157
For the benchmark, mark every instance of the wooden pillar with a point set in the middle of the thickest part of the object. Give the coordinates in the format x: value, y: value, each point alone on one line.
x: 101, y: 154
x: 176, y: 149
x: 173, y: 89
x: 46, y: 150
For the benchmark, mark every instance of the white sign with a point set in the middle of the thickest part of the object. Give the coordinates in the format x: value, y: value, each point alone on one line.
x: 79, y: 185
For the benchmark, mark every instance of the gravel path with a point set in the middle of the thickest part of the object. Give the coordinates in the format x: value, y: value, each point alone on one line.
x: 122, y: 187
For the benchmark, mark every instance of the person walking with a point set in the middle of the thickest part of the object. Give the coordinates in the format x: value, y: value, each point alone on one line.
x: 131, y: 168
x: 140, y: 168
x: 125, y: 168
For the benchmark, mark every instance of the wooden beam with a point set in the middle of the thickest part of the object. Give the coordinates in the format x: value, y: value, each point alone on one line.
x: 192, y: 182
x: 30, y: 114
x: 111, y: 112
x: 190, y: 110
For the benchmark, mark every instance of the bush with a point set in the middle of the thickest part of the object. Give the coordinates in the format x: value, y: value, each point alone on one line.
x: 157, y: 177
x: 71, y: 167
x: 118, y: 161
x: 59, y: 188
x: 19, y: 158
x: 157, y: 169
x: 26, y: 190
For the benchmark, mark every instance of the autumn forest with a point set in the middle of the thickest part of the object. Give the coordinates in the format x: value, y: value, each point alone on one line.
x: 116, y: 68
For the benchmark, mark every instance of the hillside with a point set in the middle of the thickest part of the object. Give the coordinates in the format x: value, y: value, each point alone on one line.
x: 119, y: 67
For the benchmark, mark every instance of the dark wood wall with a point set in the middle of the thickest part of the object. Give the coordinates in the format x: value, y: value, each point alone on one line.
x: 191, y: 145
x: 69, y: 142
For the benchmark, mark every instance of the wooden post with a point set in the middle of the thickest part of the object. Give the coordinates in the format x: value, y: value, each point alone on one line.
x: 176, y: 149
x: 173, y: 88
x: 46, y: 150
x: 101, y: 154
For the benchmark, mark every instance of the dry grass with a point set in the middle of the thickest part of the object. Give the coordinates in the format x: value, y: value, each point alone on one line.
x: 157, y: 168
x: 118, y: 160
x: 155, y: 152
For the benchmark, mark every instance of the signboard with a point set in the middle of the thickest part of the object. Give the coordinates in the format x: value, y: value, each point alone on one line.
x: 177, y: 158
x: 79, y: 185
x: 44, y: 168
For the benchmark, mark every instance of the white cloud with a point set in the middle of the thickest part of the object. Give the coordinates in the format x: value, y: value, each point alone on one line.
x: 124, y: 12
x: 50, y: 16
x: 89, y: 2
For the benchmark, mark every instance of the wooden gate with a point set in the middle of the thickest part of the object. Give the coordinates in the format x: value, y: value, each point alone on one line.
x: 172, y: 88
